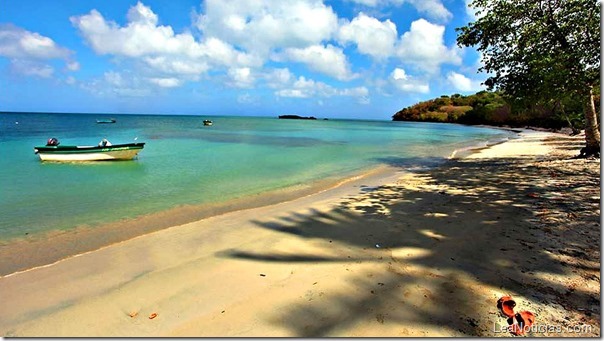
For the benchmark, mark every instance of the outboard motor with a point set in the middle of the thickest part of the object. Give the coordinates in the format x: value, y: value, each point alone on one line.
x: 52, y: 142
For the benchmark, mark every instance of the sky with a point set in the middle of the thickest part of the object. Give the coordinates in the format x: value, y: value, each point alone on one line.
x: 362, y: 59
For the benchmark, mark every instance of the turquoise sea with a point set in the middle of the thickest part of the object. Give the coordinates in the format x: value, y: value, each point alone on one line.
x: 185, y: 162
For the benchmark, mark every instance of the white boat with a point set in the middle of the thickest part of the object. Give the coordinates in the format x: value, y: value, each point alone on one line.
x: 55, y: 152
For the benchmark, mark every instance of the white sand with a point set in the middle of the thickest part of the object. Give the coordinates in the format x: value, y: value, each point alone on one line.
x: 529, y: 144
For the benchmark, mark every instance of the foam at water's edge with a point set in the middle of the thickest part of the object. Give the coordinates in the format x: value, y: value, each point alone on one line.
x: 461, y: 153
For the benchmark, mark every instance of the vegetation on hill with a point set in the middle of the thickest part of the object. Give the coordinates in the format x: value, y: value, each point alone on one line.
x: 493, y: 108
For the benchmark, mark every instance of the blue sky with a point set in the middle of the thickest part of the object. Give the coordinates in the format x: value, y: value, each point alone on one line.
x: 340, y: 59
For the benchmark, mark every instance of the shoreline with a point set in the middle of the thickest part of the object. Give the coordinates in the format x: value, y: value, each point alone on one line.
x: 22, y: 254
x: 388, y: 258
x: 64, y: 244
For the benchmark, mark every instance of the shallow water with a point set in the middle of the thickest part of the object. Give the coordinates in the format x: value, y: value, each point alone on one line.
x: 185, y: 162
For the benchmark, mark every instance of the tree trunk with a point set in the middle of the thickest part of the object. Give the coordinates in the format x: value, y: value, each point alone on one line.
x: 592, y: 130
x: 575, y: 131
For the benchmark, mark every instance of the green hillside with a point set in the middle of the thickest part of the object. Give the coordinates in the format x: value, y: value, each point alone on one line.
x: 492, y: 108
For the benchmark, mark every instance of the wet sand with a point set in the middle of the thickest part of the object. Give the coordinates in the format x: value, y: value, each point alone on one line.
x: 425, y: 252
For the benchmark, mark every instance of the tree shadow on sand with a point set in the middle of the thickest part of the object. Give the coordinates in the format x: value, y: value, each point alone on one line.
x: 435, y: 241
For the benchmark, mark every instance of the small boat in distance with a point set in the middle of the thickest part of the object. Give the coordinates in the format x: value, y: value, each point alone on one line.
x: 105, y: 151
x: 111, y: 120
x: 207, y: 122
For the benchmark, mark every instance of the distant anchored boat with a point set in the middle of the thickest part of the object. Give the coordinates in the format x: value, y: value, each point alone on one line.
x: 111, y: 120
x: 105, y: 151
x: 207, y: 123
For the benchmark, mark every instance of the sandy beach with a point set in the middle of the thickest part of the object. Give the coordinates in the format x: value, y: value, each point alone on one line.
x: 420, y: 252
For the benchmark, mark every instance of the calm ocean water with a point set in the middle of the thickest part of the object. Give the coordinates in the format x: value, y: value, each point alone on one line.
x: 186, y: 163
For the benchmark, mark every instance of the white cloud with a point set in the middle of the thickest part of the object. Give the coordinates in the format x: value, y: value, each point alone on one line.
x: 114, y: 78
x: 473, y: 12
x: 142, y: 14
x: 407, y: 83
x: 31, y: 68
x: 459, y: 81
x: 177, y: 66
x: 360, y: 91
x: 278, y: 78
x: 423, y: 46
x: 157, y: 46
x: 431, y: 8
x: 372, y: 37
x: 314, y: 88
x: 166, y: 82
x: 16, y: 42
x: 308, y: 88
x: 469, y: 10
x: 73, y: 66
x: 241, y: 77
x: 328, y: 60
x: 223, y: 53
x: 122, y: 84
x: 298, y: 93
x: 370, y: 3
x: 28, y: 49
x: 263, y: 25
x: 399, y: 74
x: 132, y: 92
x: 134, y: 40
x: 463, y: 83
x: 364, y: 100
x: 304, y: 88
x: 237, y: 40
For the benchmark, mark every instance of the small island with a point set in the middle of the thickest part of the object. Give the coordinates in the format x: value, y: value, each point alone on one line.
x: 296, y: 117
